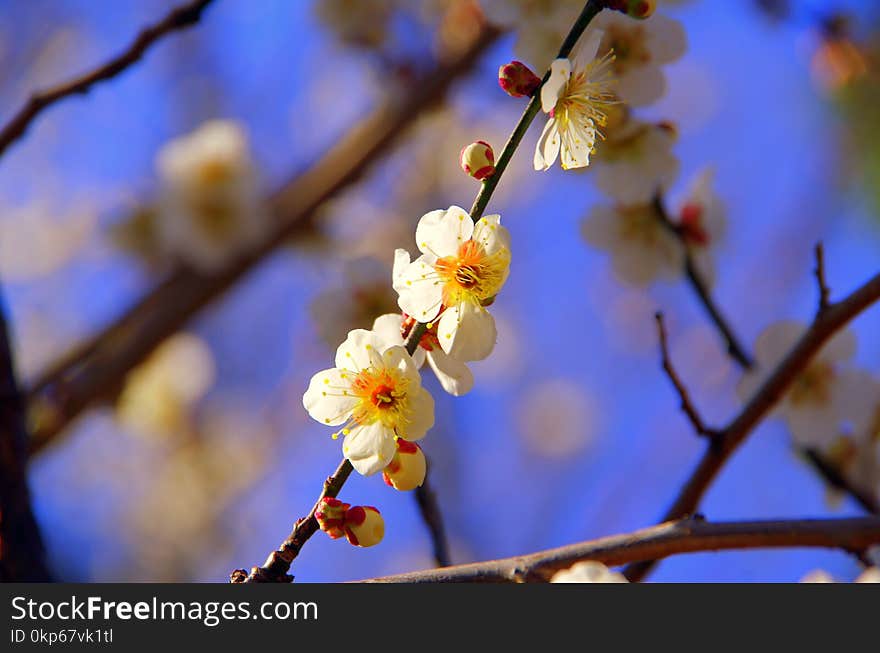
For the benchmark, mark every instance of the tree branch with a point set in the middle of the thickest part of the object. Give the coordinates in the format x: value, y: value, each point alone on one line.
x: 94, y: 372
x: 433, y: 518
x: 823, y: 327
x: 821, y: 282
x: 22, y: 556
x: 686, y: 404
x: 690, y: 535
x: 177, y: 19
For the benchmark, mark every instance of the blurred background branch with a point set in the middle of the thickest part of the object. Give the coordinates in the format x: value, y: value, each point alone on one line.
x: 179, y: 18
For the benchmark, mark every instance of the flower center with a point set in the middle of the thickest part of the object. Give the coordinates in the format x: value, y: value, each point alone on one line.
x: 472, y: 275
x: 383, y: 397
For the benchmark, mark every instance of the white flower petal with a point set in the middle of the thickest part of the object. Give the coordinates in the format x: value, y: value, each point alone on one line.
x: 490, y: 234
x: 369, y: 448
x: 421, y: 415
x: 402, y: 261
x: 560, y: 72
x: 396, y: 357
x: 325, y: 400
x: 420, y: 291
x: 467, y: 332
x: 776, y: 341
x: 455, y: 376
x: 439, y: 233
x: 576, y: 145
x: 547, y: 149
x: 641, y: 86
x: 589, y: 49
x: 842, y: 347
x: 388, y: 328
x: 359, y: 351
x: 665, y: 38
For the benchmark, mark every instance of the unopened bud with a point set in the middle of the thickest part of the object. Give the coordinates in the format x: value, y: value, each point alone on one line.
x: 517, y: 79
x: 478, y: 160
x: 634, y: 8
x: 406, y: 471
x: 364, y: 526
x: 331, y: 516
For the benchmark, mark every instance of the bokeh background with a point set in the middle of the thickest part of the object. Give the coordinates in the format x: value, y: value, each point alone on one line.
x: 571, y: 432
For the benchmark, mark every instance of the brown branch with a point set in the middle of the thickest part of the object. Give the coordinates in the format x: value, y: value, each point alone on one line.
x: 275, y: 569
x: 821, y: 281
x: 22, y: 556
x: 177, y: 19
x: 691, y: 535
x: 823, y: 327
x: 94, y: 372
x: 686, y: 404
x: 433, y: 518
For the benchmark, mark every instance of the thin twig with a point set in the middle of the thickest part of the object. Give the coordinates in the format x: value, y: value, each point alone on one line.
x: 433, y: 518
x: 96, y: 370
x: 22, y: 556
x: 275, y: 569
x: 691, y: 535
x: 177, y: 19
x: 734, y: 348
x: 821, y: 281
x: 686, y: 404
x: 823, y: 327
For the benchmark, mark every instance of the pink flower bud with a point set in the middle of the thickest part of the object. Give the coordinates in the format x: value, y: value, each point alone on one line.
x: 634, y: 8
x: 478, y: 160
x: 364, y: 526
x: 517, y: 79
x: 406, y: 471
x: 331, y: 517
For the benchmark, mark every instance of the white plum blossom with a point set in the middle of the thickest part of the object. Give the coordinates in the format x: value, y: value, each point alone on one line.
x: 540, y: 25
x: 210, y: 208
x: 824, y: 397
x: 461, y: 269
x: 640, y: 47
x: 636, y: 160
x: 454, y: 375
x: 575, y: 96
x: 642, y: 249
x: 702, y: 223
x: 375, y: 394
x: 588, y: 571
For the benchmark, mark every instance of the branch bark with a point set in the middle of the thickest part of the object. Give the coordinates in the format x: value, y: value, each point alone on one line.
x: 177, y: 19
x: 22, y: 556
x: 689, y: 535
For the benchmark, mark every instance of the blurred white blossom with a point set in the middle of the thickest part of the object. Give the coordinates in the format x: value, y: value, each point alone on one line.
x: 639, y: 47
x: 557, y: 417
x: 209, y: 208
x: 642, y: 249
x: 588, y: 571
x: 825, y: 396
x: 160, y: 392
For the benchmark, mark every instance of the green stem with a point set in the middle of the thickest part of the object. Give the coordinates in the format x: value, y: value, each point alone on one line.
x: 590, y: 10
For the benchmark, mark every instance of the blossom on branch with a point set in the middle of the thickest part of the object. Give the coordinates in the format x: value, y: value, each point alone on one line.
x: 375, y: 394
x: 642, y: 248
x: 210, y: 207
x: 455, y: 377
x: 461, y: 269
x: 640, y: 47
x: 825, y: 396
x: 575, y: 96
x: 702, y: 223
x: 636, y: 159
